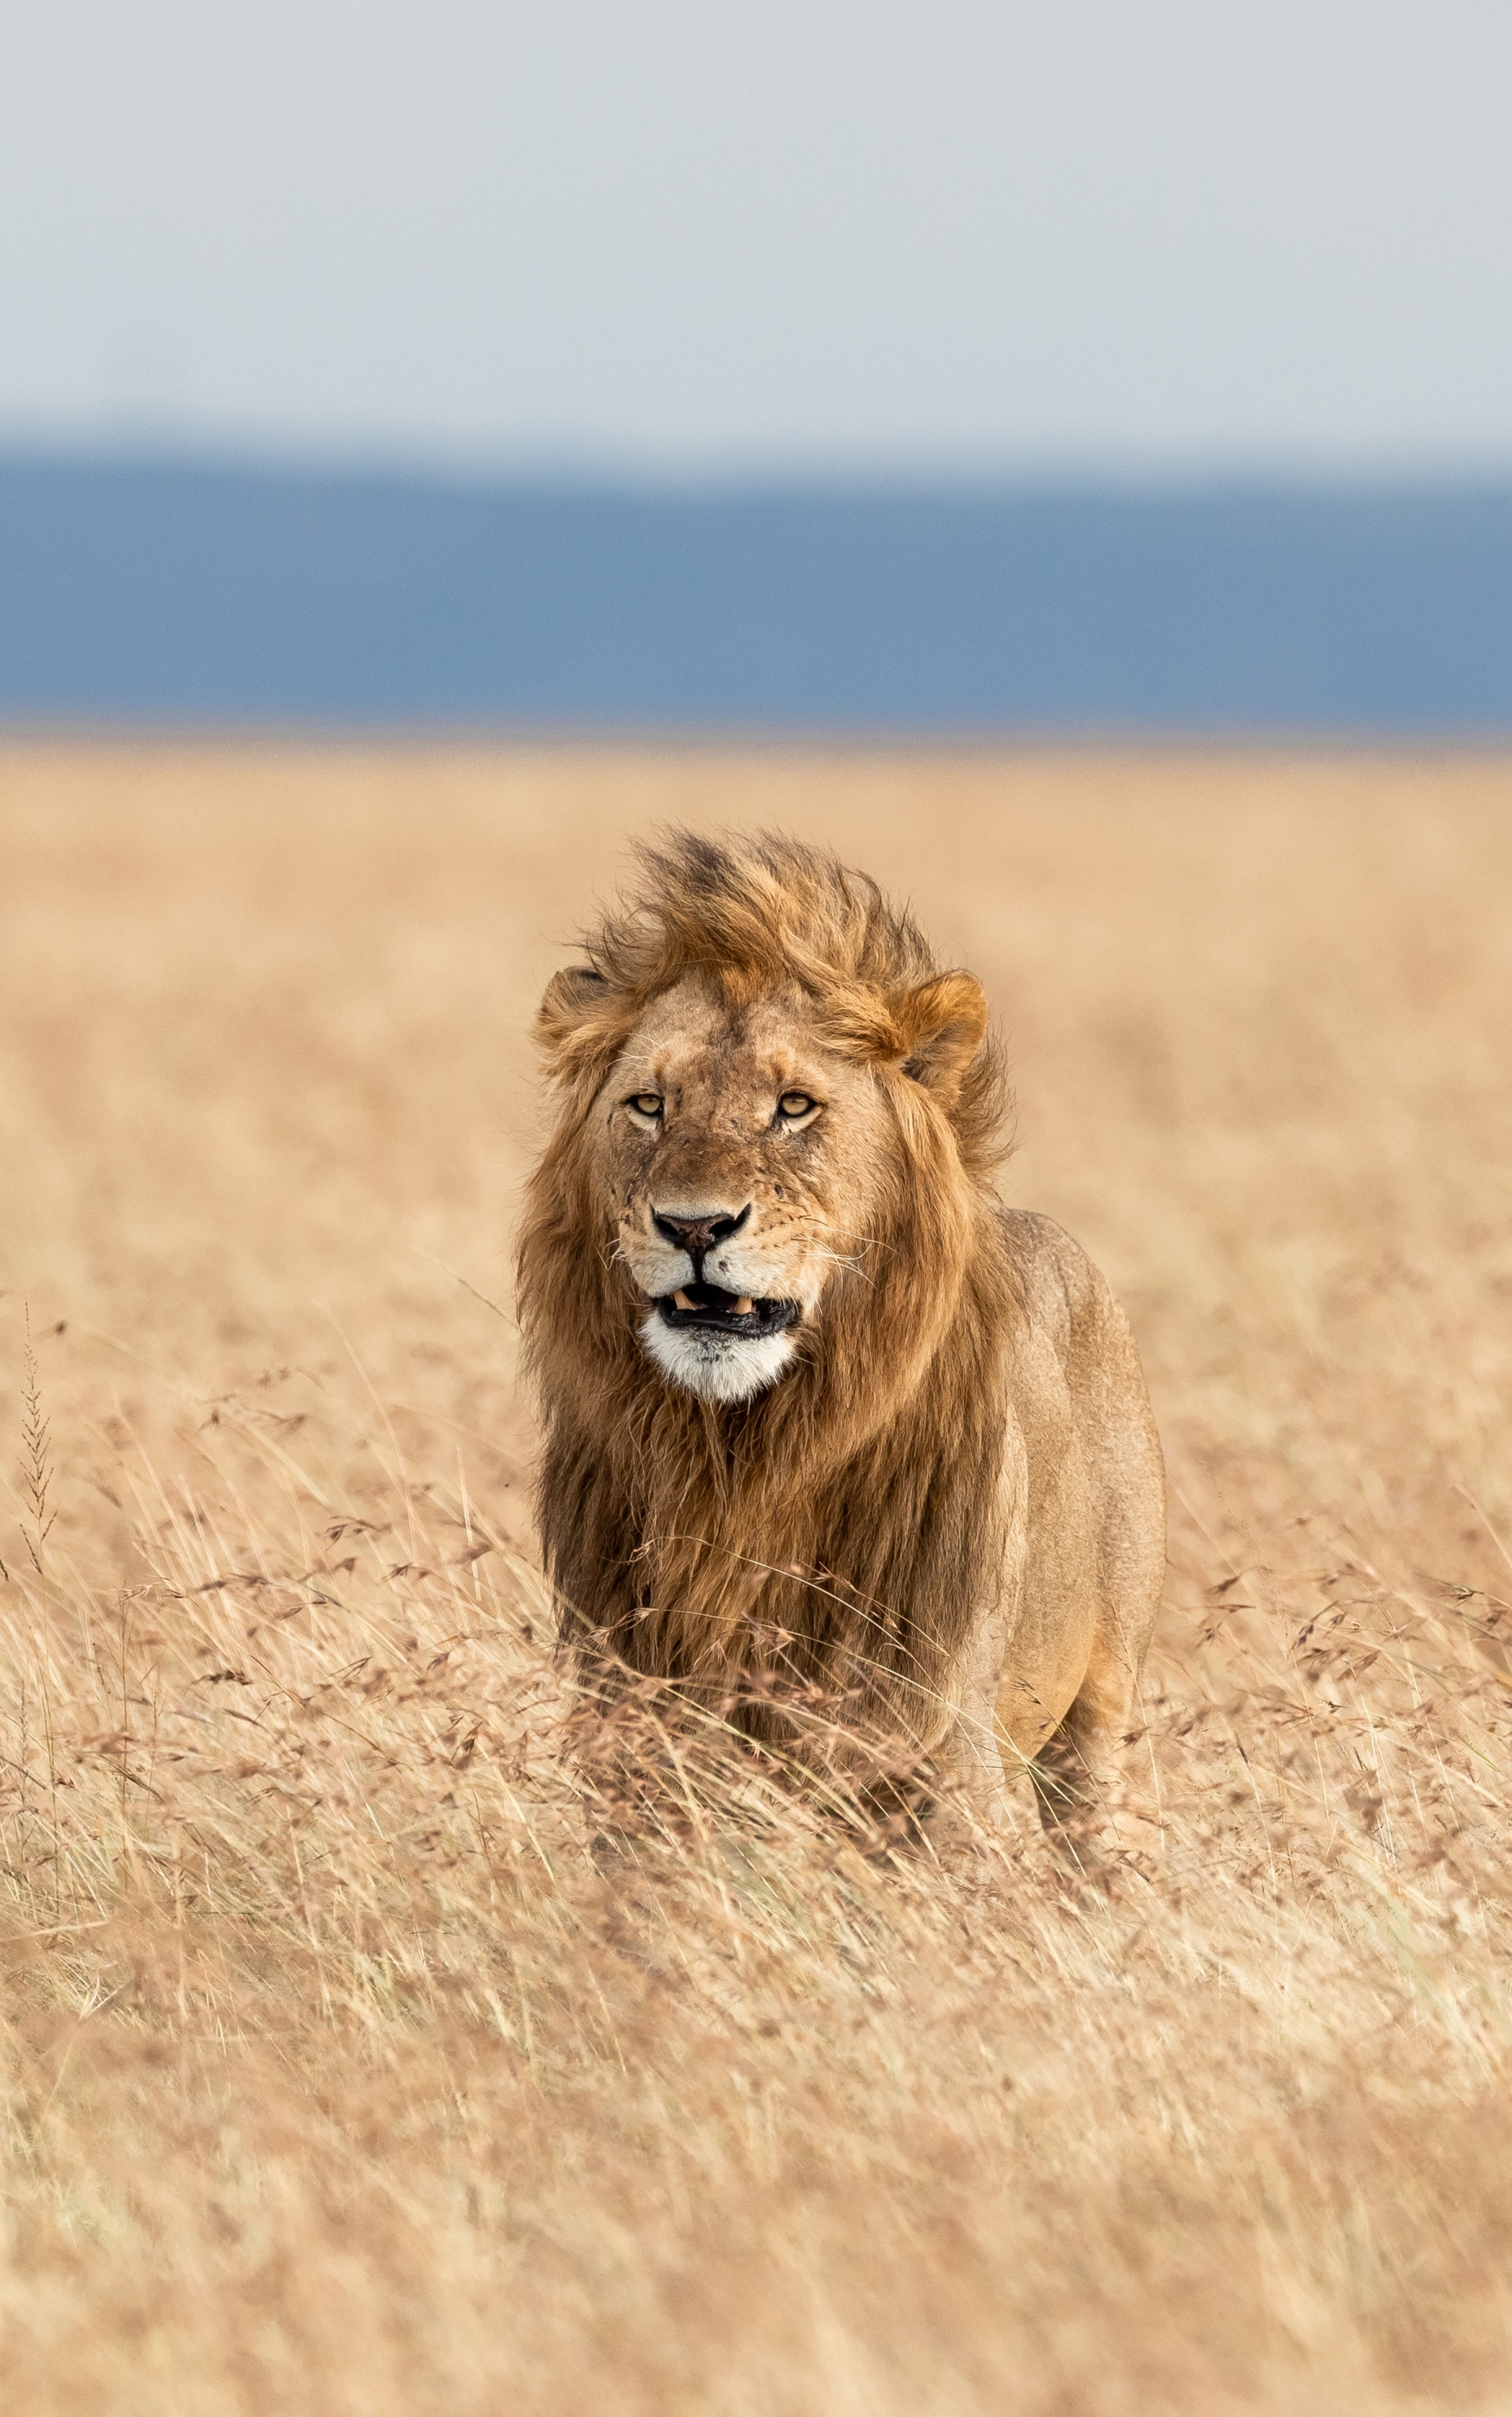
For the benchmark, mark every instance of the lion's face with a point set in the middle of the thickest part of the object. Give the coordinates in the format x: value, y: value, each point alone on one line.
x: 736, y: 1157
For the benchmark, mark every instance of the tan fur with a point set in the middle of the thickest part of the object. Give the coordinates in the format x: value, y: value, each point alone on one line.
x: 939, y: 1533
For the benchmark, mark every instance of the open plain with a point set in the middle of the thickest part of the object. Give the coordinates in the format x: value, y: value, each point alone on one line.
x: 335, y: 2076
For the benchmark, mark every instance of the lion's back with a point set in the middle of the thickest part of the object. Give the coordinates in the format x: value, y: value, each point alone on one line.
x: 1067, y: 1298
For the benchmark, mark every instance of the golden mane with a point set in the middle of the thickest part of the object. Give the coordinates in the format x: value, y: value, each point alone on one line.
x: 829, y: 1536
x: 757, y: 913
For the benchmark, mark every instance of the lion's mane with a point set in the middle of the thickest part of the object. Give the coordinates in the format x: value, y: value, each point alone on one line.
x: 832, y: 1536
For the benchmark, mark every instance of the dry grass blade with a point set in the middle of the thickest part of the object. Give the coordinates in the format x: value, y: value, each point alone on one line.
x: 36, y: 1468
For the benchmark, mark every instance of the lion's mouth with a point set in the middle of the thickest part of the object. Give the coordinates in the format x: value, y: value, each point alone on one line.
x: 704, y: 1305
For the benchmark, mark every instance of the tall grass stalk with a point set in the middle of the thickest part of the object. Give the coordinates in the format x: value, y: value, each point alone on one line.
x: 40, y: 1513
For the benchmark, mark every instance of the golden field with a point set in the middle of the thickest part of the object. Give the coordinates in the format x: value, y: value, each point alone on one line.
x: 337, y: 2077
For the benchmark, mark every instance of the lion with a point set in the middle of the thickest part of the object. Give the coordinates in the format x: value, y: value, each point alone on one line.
x: 835, y: 1443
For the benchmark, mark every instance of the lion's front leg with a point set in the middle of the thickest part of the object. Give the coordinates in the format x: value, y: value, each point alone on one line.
x: 972, y: 1783
x: 969, y: 1801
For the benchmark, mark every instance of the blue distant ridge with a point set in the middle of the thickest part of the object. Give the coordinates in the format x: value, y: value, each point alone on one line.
x: 154, y: 592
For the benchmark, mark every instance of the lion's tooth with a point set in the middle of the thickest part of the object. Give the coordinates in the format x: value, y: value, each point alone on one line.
x: 681, y: 1301
x: 743, y: 1306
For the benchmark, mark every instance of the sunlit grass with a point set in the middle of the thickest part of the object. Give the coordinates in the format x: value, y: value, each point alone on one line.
x: 340, y: 2072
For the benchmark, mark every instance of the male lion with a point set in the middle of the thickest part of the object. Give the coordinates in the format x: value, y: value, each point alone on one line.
x: 827, y: 1426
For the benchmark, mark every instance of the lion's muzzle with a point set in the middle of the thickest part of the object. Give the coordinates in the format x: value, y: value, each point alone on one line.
x: 721, y: 1304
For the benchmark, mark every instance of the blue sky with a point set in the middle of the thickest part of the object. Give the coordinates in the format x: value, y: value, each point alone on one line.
x: 691, y: 237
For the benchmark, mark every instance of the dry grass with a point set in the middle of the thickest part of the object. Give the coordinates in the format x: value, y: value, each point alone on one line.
x: 336, y: 2076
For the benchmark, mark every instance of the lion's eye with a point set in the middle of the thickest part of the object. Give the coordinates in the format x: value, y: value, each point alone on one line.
x: 645, y: 1104
x: 795, y: 1105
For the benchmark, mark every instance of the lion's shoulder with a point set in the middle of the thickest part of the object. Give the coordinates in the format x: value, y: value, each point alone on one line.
x: 1065, y: 1293
x: 1057, y: 1279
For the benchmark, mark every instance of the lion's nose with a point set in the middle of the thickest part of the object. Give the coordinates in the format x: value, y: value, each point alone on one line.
x: 697, y: 1230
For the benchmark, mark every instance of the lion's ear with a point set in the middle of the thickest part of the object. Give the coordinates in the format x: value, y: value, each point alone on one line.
x: 945, y: 1022
x: 571, y: 1019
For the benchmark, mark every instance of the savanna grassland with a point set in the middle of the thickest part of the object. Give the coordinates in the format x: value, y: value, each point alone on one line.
x: 336, y: 2076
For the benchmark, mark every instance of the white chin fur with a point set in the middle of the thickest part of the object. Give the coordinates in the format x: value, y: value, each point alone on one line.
x: 720, y: 1367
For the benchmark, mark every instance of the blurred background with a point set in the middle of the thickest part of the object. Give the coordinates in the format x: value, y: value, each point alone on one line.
x: 633, y: 364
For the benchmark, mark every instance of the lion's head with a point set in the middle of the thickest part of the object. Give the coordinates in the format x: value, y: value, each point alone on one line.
x: 740, y: 1154
x: 763, y: 1071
